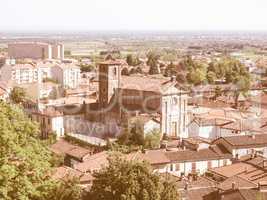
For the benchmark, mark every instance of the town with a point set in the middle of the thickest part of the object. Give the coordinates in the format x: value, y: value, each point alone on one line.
x: 199, y: 120
x: 133, y: 100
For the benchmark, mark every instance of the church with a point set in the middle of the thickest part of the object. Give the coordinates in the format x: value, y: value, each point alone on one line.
x: 121, y: 97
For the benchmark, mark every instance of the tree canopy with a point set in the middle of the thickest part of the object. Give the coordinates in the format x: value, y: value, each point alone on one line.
x: 25, y: 161
x: 130, y: 180
x: 17, y: 95
x: 153, y: 62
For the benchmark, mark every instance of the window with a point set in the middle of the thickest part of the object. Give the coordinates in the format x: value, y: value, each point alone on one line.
x: 115, y: 71
x: 194, y: 166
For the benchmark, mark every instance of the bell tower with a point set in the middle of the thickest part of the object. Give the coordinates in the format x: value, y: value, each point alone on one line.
x: 109, y: 80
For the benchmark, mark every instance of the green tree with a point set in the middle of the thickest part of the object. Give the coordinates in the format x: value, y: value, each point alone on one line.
x: 132, y: 60
x: 170, y: 70
x: 152, y: 139
x: 125, y: 72
x: 130, y: 180
x: 25, y: 161
x: 211, y: 77
x: 153, y: 62
x: 17, y: 95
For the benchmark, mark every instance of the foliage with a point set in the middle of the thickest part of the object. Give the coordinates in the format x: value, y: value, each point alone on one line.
x: 25, y: 161
x: 232, y: 71
x: 152, y: 139
x: 125, y: 71
x: 153, y: 62
x: 133, y: 134
x: 211, y: 77
x: 87, y: 68
x: 170, y: 70
x: 64, y: 190
x: 132, y: 60
x: 130, y: 180
x: 17, y: 95
x: 50, y: 80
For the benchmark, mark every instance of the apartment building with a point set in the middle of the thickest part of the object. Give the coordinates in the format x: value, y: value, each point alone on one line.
x: 68, y: 75
x: 20, y: 73
x: 35, y: 50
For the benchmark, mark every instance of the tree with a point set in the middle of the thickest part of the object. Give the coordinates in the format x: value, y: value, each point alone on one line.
x: 132, y: 60
x: 129, y: 59
x: 170, y: 70
x: 130, y: 180
x: 25, y: 161
x: 87, y: 68
x: 153, y: 62
x: 181, y: 78
x: 152, y: 139
x: 137, y: 133
x: 211, y: 77
x: 17, y: 95
x: 125, y: 72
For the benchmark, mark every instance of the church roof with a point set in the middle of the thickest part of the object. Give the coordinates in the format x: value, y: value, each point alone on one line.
x: 141, y: 83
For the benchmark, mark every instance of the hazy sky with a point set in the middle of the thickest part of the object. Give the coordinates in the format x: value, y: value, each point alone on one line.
x: 133, y: 15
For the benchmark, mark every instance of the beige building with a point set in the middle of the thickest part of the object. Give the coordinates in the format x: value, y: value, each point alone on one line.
x: 68, y: 75
x: 35, y: 50
x: 50, y: 120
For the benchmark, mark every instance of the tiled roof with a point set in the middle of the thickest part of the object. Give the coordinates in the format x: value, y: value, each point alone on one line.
x: 93, y: 162
x: 245, y: 141
x: 211, y: 153
x: 239, y: 183
x: 62, y: 147
x: 67, y: 173
x: 141, y: 83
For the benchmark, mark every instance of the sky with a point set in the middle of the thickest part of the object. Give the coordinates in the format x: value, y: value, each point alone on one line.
x: 160, y: 15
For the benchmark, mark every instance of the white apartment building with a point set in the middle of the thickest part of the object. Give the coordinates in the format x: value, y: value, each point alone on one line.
x: 20, y: 73
x: 68, y: 75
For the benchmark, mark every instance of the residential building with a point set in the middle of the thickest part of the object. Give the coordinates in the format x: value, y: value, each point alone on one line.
x: 242, y: 145
x: 68, y: 75
x: 50, y: 120
x: 35, y: 50
x: 20, y: 73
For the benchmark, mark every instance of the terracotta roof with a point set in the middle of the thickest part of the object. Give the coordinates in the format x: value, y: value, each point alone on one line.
x: 142, y: 83
x: 211, y: 153
x: 231, y: 170
x: 67, y: 173
x: 239, y: 183
x: 93, y: 162
x: 62, y: 147
x: 79, y: 153
x: 154, y: 157
x: 197, y: 194
x: 243, y: 194
x: 245, y: 141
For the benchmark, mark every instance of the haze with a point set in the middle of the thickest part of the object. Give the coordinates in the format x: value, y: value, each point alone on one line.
x: 162, y: 15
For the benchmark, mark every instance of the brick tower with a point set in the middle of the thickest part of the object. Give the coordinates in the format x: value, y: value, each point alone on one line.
x: 109, y: 80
